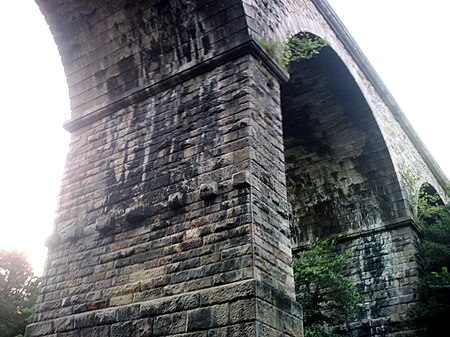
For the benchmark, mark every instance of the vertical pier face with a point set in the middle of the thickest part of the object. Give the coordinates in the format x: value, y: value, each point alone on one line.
x: 174, y: 211
x: 173, y: 216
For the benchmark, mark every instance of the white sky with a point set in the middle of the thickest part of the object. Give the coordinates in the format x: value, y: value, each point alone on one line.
x: 405, y: 40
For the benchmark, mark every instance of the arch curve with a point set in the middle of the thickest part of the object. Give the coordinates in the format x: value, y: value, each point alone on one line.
x: 336, y: 157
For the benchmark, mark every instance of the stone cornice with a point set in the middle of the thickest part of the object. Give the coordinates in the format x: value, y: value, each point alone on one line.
x: 249, y: 47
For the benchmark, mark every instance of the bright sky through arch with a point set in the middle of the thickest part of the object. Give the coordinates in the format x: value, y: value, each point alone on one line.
x: 33, y: 145
x: 404, y: 40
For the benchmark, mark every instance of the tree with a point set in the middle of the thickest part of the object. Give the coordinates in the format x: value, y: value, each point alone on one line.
x: 434, y: 285
x: 327, y: 295
x: 18, y: 293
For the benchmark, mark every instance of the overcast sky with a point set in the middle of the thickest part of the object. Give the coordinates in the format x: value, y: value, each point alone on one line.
x: 405, y: 40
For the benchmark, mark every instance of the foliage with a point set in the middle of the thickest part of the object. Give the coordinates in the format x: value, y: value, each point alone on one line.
x: 434, y: 284
x: 327, y: 295
x: 271, y: 48
x: 302, y: 46
x: 18, y: 293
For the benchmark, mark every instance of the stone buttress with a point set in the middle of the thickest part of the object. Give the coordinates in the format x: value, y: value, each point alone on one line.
x: 173, y: 214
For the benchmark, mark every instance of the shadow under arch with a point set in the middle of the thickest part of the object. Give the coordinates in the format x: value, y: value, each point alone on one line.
x: 340, y: 177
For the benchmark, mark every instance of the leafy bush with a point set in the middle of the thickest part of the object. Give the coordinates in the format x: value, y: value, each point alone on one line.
x: 434, y: 286
x: 302, y: 46
x: 327, y: 295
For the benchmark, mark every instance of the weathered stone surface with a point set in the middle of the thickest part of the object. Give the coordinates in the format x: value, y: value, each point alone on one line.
x: 237, y: 330
x: 121, y: 329
x: 208, y: 191
x: 40, y: 329
x: 170, y: 324
x: 143, y: 328
x: 242, y: 179
x: 208, y: 317
x: 243, y: 310
x: 64, y: 324
x: 170, y: 305
x: 173, y: 215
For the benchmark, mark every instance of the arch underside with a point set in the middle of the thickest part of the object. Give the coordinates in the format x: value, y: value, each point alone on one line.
x: 339, y: 173
x: 341, y: 183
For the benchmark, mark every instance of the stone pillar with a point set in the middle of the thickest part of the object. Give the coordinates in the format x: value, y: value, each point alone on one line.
x: 172, y: 216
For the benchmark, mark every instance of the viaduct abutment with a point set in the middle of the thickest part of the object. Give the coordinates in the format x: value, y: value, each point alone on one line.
x: 198, y: 164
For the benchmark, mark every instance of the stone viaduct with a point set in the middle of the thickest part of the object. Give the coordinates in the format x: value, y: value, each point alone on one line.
x: 199, y: 165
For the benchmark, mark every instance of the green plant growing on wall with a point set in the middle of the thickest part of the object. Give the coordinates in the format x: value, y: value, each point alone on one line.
x: 303, y: 46
x: 272, y: 48
x: 327, y: 295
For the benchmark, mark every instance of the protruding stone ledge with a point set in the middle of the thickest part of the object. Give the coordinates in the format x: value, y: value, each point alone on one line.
x: 52, y: 240
x: 135, y: 216
x: 247, y: 47
x: 177, y: 200
x: 208, y: 191
x: 69, y: 234
x: 223, y: 308
x: 242, y: 179
x: 393, y: 225
x: 105, y: 225
x: 39, y: 329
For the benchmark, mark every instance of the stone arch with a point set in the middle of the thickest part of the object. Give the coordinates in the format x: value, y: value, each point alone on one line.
x: 341, y: 182
x: 336, y: 156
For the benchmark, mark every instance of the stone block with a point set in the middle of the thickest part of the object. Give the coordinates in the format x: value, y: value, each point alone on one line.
x: 64, y: 324
x: 84, y: 320
x: 236, y: 330
x: 170, y: 324
x: 128, y: 313
x: 208, y: 317
x: 143, y: 327
x: 227, y: 293
x: 39, y: 329
x: 170, y: 305
x: 243, y: 310
x: 103, y: 317
x: 121, y: 329
x: 105, y: 224
x: 176, y: 200
x: 135, y: 216
x: 97, y: 331
x: 52, y: 241
x: 208, y: 191
x: 242, y: 179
